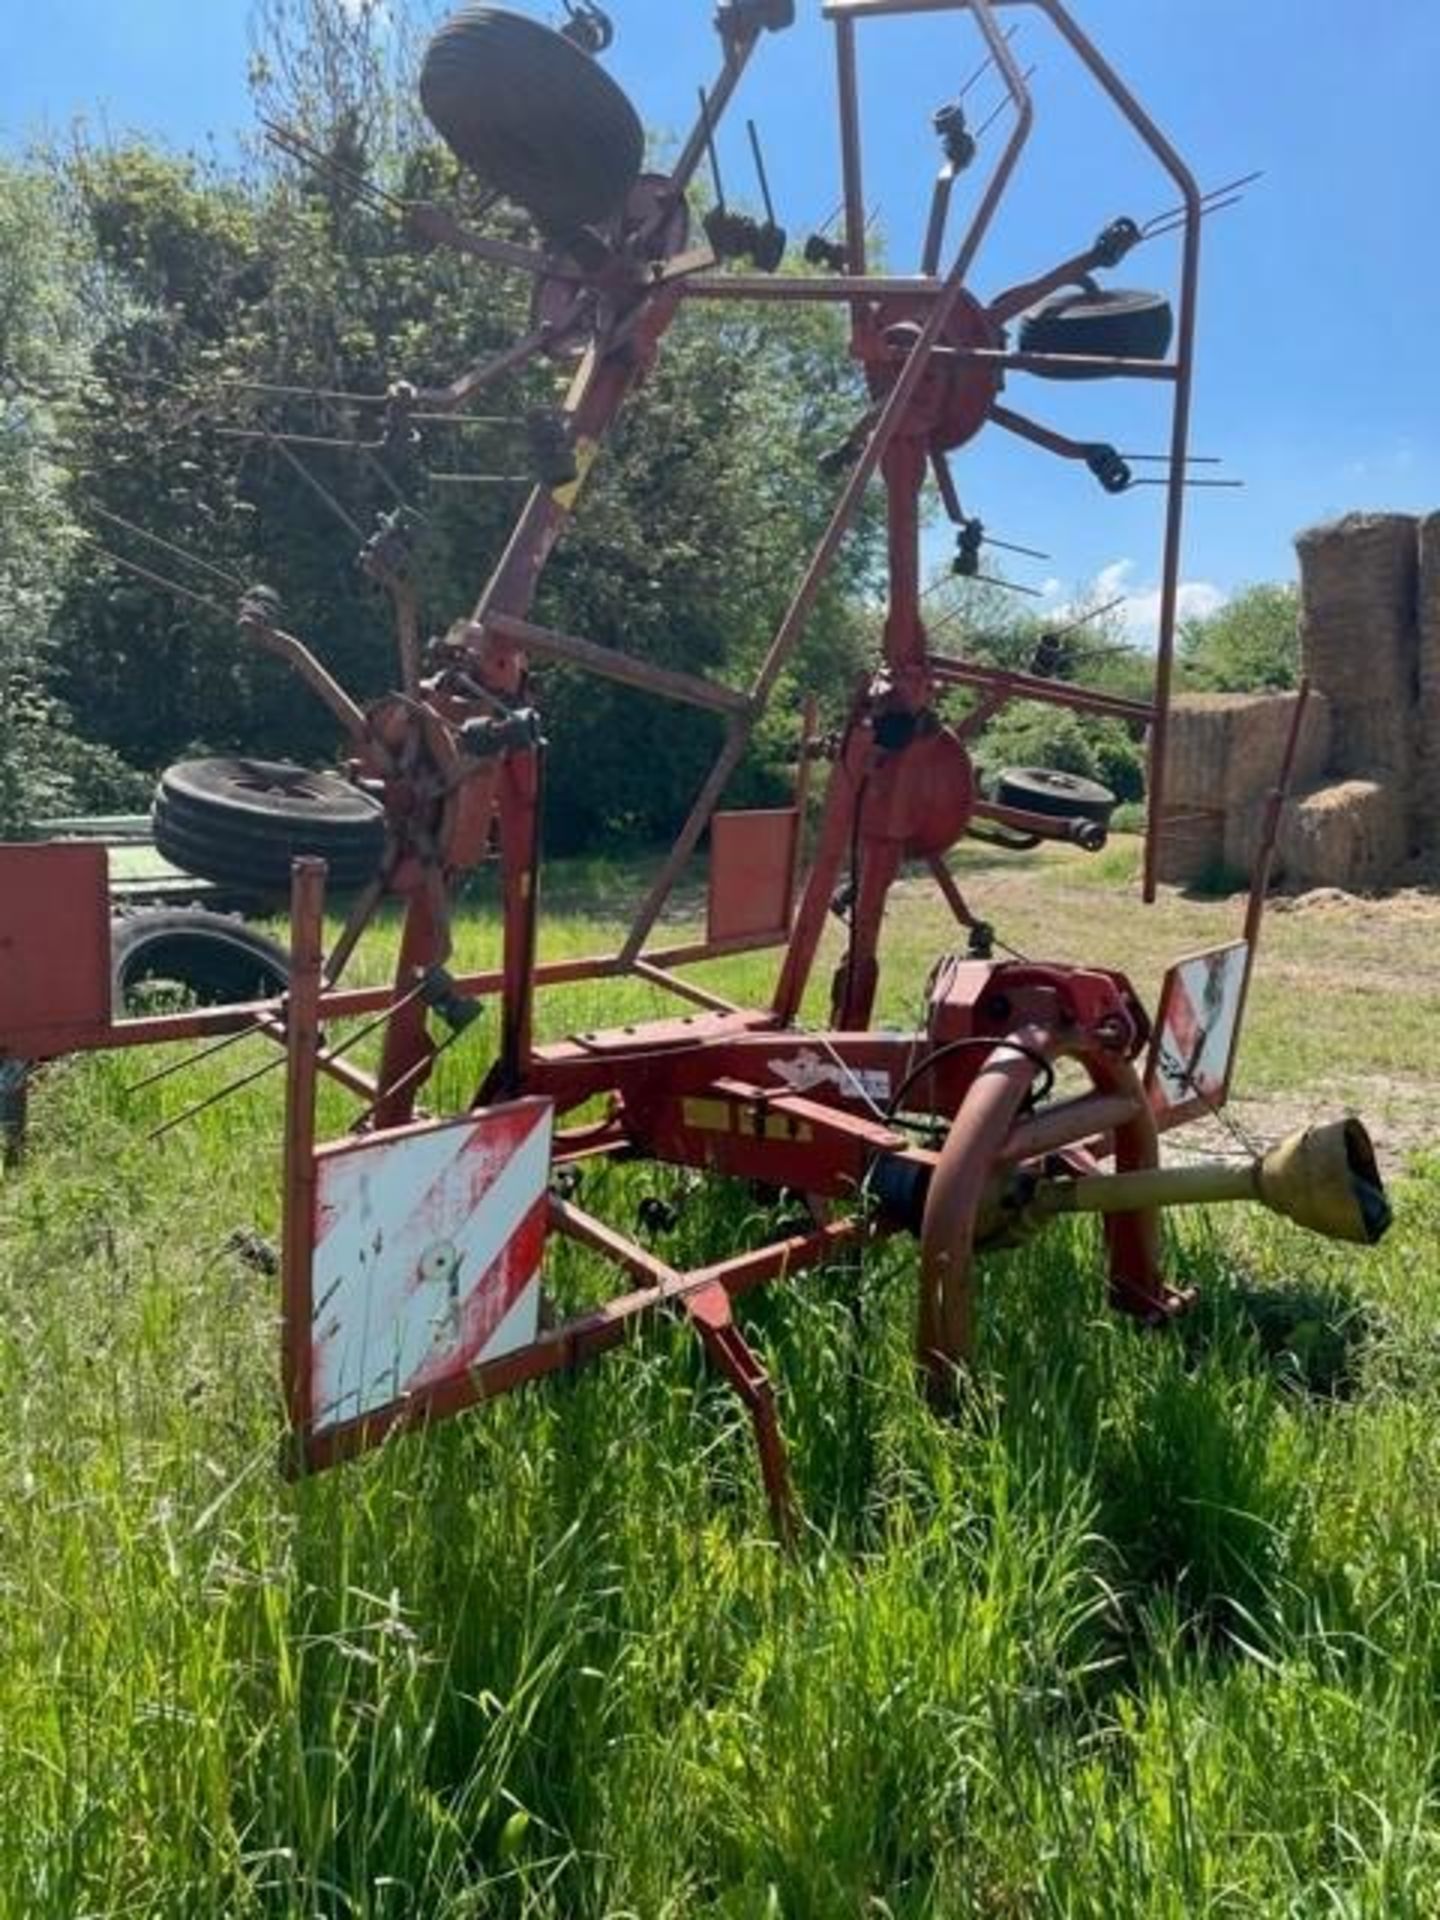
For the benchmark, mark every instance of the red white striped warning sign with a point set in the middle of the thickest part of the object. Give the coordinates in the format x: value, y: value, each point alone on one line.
x: 428, y: 1246
x: 1197, y: 1031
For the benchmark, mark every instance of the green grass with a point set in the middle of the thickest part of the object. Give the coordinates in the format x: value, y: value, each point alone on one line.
x: 1154, y: 1629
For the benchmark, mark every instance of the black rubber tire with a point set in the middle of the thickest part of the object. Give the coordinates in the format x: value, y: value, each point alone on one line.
x: 242, y: 822
x: 218, y: 961
x: 533, y: 116
x: 1118, y: 323
x: 1060, y: 796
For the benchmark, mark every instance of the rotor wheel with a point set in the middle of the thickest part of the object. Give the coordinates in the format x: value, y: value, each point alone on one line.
x: 213, y: 959
x: 243, y: 822
x: 1113, y: 324
x: 533, y: 116
x: 1061, y: 796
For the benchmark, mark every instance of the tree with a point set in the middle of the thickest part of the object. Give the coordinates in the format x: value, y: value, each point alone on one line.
x: 1085, y: 646
x: 44, y: 766
x: 214, y: 290
x: 1250, y: 645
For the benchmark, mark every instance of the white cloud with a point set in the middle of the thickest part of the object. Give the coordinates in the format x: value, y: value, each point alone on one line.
x: 1140, y: 611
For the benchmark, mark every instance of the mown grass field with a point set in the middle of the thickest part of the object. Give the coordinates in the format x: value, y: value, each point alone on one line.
x: 1154, y: 1630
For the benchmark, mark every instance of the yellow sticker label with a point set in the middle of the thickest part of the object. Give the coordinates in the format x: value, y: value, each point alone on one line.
x: 585, y: 455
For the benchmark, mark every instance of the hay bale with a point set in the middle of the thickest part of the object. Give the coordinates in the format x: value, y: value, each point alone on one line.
x: 1192, y: 844
x: 1198, y: 750
x: 1358, y: 586
x: 1262, y: 752
x: 1225, y: 748
x: 1425, y: 789
x: 1350, y: 834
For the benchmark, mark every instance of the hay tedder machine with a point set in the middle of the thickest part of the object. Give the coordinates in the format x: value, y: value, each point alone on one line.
x: 414, y: 1248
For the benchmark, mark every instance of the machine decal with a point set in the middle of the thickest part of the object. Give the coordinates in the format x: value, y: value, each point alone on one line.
x: 427, y: 1256
x: 1193, y: 1054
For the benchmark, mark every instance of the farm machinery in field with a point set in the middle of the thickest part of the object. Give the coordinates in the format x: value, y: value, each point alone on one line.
x: 414, y: 1247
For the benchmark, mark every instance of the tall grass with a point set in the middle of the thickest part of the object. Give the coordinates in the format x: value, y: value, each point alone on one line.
x: 1153, y: 1629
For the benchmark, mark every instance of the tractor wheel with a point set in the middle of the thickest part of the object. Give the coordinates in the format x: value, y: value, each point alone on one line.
x: 242, y: 823
x: 1116, y: 324
x: 210, y: 958
x: 533, y: 116
x: 1063, y: 796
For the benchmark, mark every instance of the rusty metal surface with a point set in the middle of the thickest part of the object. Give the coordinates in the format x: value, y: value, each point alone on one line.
x: 459, y: 758
x: 752, y: 871
x: 54, y: 950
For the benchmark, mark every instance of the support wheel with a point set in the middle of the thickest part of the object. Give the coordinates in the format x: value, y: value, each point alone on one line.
x: 533, y: 116
x: 210, y: 958
x: 1116, y: 324
x: 242, y: 823
x: 1064, y: 796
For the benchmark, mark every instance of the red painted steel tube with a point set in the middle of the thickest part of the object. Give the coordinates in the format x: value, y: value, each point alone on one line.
x: 645, y: 675
x: 203, y: 1023
x: 891, y: 418
x: 977, y: 1137
x: 1180, y: 424
x: 1137, y: 1280
x: 1068, y: 1123
x: 579, y: 1341
x: 1029, y: 686
x: 811, y: 286
x: 302, y: 1046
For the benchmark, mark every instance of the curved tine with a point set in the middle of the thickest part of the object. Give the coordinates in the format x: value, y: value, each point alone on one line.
x: 231, y: 580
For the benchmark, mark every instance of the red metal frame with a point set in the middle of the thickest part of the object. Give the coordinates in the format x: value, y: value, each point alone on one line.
x: 735, y: 1091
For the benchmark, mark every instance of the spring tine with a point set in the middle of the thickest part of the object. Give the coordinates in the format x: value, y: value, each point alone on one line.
x: 305, y: 393
x: 990, y: 119
x: 1010, y: 586
x: 480, y: 479
x: 1095, y: 613
x: 159, y: 580
x: 192, y: 1060
x: 760, y: 170
x: 467, y: 419
x: 235, y: 1086
x: 321, y: 492
x: 1175, y: 225
x: 986, y: 64
x: 302, y: 149
x: 274, y: 439
x: 1009, y: 546
x: 1163, y: 480
x: 1215, y: 193
x: 709, y: 127
x: 1191, y: 459
x: 168, y: 546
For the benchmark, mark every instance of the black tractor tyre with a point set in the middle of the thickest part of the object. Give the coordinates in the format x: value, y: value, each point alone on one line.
x: 1060, y: 796
x: 1116, y: 324
x: 213, y: 959
x: 533, y: 116
x: 242, y: 823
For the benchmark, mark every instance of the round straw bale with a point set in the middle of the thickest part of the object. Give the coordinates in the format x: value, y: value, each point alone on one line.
x: 1350, y: 834
x: 1358, y: 584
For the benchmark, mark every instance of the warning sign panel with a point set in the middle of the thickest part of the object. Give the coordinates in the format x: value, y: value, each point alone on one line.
x: 427, y: 1256
x: 1197, y: 1030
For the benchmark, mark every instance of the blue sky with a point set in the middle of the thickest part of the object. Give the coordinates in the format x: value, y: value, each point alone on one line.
x: 1317, y: 367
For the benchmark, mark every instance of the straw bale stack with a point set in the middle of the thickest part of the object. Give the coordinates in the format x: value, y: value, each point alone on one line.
x: 1192, y: 844
x: 1358, y: 584
x: 1425, y: 809
x: 1255, y: 770
x: 1348, y: 834
x: 1227, y: 747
